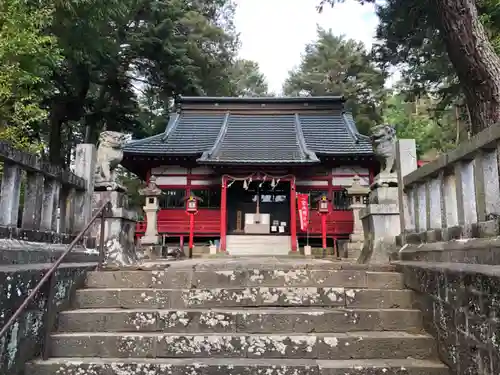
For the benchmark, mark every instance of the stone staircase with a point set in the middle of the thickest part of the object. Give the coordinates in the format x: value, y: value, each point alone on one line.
x: 242, y: 316
x: 258, y: 245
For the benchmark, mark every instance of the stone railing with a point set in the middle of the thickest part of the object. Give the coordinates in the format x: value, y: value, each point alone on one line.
x: 51, y: 202
x: 455, y: 200
x: 450, y: 211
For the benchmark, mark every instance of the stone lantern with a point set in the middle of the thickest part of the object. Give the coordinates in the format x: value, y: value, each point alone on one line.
x: 151, y: 193
x: 357, y: 194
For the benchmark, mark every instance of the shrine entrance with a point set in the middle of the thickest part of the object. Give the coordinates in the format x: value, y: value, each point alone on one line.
x: 258, y: 208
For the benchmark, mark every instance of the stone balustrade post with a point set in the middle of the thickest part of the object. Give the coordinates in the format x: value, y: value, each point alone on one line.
x: 10, y: 194
x: 406, y: 162
x: 33, y: 201
x: 466, y: 195
x: 49, y: 205
x: 85, y: 162
x: 435, y: 210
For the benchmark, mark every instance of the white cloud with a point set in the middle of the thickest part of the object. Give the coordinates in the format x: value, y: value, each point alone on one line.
x: 275, y: 32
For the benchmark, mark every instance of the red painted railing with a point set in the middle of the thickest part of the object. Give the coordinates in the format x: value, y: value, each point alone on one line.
x: 207, y: 223
x: 176, y: 222
x: 337, y: 223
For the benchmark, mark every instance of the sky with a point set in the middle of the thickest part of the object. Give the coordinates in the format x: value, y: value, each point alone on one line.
x: 275, y: 32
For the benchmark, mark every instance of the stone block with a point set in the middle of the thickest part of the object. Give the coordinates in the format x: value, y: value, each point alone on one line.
x: 103, y: 366
x: 361, y: 345
x: 254, y: 321
x: 169, y: 278
x: 119, y: 232
x: 379, y: 299
x: 381, y: 225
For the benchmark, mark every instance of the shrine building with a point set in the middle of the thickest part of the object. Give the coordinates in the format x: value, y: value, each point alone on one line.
x: 246, y: 159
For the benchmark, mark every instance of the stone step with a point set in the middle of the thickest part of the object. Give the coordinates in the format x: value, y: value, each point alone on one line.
x: 130, y: 298
x: 188, y: 278
x: 277, y: 320
x: 260, y: 263
x: 351, y: 345
x: 232, y: 366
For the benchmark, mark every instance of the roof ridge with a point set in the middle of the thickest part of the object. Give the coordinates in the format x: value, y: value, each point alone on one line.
x: 143, y: 140
x: 351, y: 127
x: 220, y: 138
x: 170, y: 127
x: 302, y: 141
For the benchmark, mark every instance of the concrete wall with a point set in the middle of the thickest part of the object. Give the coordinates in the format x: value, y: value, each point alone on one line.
x: 461, y: 307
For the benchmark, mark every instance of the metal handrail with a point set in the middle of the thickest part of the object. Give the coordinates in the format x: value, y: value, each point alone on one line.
x: 50, y: 273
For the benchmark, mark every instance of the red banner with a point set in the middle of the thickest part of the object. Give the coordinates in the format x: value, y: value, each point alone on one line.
x: 303, y: 207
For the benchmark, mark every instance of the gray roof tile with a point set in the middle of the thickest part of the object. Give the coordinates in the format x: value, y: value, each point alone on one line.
x: 333, y: 133
x: 255, y: 138
x: 187, y: 133
x: 259, y: 139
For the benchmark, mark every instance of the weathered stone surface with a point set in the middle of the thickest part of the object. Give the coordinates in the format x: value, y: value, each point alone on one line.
x: 473, y: 250
x: 109, y: 156
x: 185, y: 278
x: 32, y: 256
x: 251, y: 321
x: 272, y: 263
x: 32, y: 162
x: 16, y: 282
x: 382, y: 367
x: 119, y: 228
x: 361, y: 345
x: 460, y: 304
x: 242, y: 316
x: 233, y: 366
x: 239, y: 297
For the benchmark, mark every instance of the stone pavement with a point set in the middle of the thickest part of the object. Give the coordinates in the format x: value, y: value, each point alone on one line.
x: 233, y: 316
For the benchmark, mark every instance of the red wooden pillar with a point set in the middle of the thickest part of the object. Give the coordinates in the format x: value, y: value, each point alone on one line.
x: 191, y: 234
x: 223, y: 214
x: 371, y: 176
x: 293, y: 215
x: 323, y: 230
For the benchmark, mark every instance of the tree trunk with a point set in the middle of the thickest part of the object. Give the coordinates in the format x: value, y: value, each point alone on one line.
x: 472, y: 55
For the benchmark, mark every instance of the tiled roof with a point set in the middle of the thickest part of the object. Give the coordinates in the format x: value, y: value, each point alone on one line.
x: 219, y: 136
x: 260, y: 139
x: 333, y: 133
x: 187, y: 133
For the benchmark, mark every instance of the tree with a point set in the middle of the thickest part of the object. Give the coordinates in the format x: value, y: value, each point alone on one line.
x: 333, y: 65
x: 25, y: 54
x: 113, y: 50
x: 418, y: 120
x: 458, y: 25
x: 247, y: 79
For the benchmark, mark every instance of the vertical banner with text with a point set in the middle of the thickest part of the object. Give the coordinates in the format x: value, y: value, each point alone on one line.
x: 303, y: 207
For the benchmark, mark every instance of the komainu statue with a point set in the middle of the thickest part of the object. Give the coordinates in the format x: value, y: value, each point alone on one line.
x: 109, y: 156
x: 383, y: 140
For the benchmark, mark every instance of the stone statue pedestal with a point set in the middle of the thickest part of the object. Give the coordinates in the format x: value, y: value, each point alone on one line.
x: 384, y: 180
x: 381, y: 225
x: 119, y: 229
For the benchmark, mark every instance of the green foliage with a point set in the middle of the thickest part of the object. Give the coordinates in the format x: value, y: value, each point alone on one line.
x: 70, y: 69
x: 25, y: 54
x: 248, y: 79
x: 418, y: 120
x: 410, y: 40
x: 333, y: 65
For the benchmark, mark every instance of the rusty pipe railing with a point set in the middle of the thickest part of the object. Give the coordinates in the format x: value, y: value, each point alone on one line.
x: 101, y: 213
